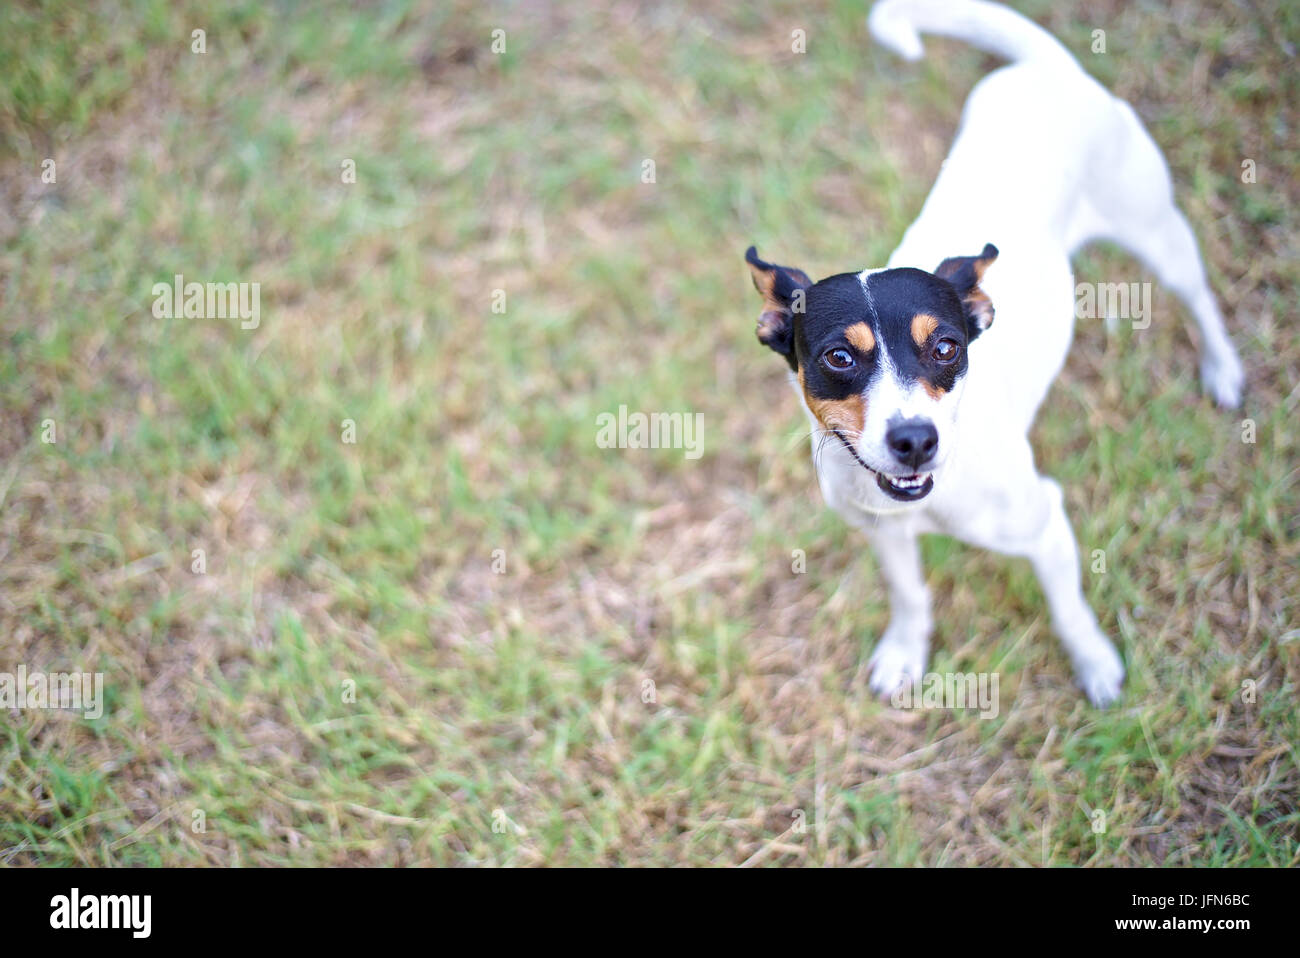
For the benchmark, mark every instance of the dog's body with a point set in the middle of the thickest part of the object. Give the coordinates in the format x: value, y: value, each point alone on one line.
x: 919, y: 402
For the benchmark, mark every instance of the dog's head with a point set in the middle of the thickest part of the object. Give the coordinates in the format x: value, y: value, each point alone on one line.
x: 880, y: 357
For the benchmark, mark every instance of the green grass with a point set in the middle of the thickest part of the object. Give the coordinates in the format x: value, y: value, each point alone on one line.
x: 647, y: 682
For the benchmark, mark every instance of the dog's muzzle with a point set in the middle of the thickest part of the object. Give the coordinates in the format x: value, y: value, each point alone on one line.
x: 903, y: 488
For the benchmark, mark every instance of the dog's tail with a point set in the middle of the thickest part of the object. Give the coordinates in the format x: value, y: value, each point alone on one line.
x: 898, y: 24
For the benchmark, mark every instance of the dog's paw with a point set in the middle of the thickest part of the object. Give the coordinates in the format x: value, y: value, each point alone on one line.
x: 1101, y: 676
x: 1223, y: 378
x: 895, y: 664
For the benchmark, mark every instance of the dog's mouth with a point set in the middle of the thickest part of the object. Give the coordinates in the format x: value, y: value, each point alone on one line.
x: 906, y: 488
x: 903, y: 488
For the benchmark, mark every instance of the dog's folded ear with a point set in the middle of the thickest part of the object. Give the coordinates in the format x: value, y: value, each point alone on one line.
x: 782, y: 289
x: 965, y: 273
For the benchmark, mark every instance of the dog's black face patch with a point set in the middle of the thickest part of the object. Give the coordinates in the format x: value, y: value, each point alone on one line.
x: 920, y: 319
x: 910, y: 309
x: 836, y: 351
x: 836, y: 340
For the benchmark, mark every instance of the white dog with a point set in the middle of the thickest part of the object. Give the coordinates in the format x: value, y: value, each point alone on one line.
x: 919, y: 402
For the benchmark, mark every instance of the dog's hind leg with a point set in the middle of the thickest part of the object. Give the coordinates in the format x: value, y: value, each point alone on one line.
x: 1133, y: 197
x: 1055, y: 557
x: 1031, y: 522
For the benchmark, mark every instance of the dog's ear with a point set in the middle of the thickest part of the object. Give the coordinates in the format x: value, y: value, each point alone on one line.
x: 782, y: 289
x: 965, y: 273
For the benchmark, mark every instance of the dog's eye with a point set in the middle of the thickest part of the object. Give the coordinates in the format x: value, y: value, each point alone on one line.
x: 838, y: 359
x: 945, y: 351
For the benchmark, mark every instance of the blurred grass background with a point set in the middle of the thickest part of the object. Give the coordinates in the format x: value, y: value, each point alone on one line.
x: 520, y: 699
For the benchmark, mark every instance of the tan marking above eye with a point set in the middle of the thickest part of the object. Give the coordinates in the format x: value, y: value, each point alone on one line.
x: 861, y: 337
x: 923, y: 327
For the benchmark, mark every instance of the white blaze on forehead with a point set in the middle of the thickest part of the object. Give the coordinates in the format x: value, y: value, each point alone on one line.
x: 889, y: 396
x: 866, y: 290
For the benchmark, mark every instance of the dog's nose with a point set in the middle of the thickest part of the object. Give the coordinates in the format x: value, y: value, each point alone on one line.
x: 913, y: 441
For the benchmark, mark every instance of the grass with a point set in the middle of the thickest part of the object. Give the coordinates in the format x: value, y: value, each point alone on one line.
x: 646, y: 681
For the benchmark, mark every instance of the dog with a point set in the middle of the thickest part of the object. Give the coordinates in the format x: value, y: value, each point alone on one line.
x: 920, y: 404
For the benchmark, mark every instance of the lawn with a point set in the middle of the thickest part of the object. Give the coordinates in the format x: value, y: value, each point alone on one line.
x: 363, y: 585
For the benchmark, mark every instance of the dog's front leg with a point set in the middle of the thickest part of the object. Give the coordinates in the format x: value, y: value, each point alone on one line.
x: 900, y: 655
